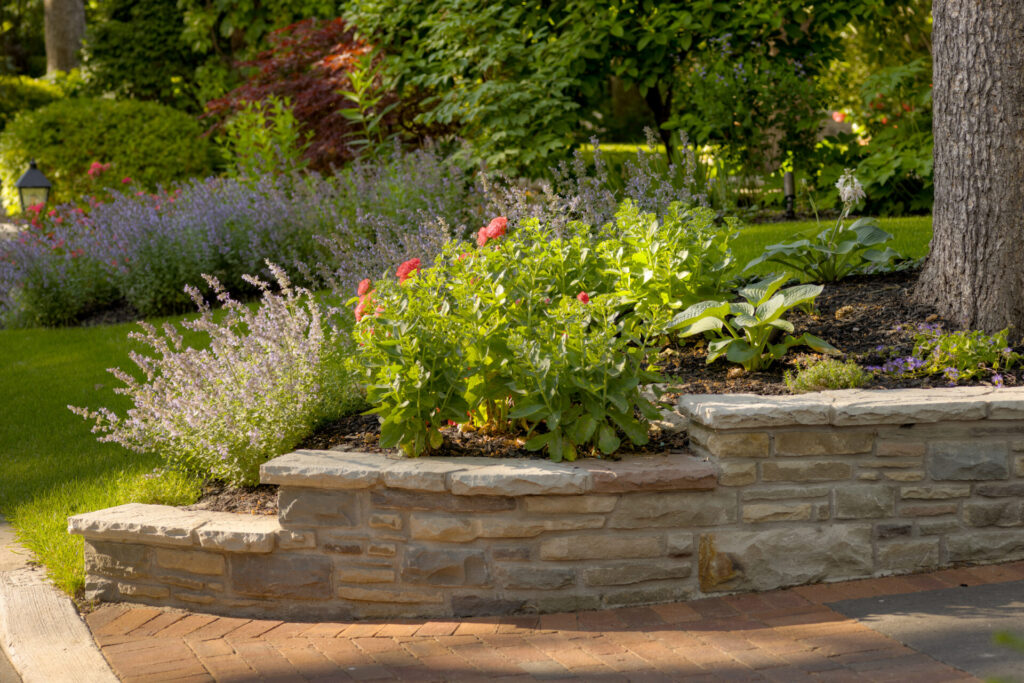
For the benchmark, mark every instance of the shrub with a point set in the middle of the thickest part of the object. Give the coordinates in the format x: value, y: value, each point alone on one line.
x: 822, y: 374
x: 147, y: 142
x: 21, y: 93
x: 263, y: 138
x: 268, y: 376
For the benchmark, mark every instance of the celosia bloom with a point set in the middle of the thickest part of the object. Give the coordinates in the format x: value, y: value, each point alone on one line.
x: 361, y: 308
x: 496, y: 228
x: 481, y: 237
x: 364, y: 287
x: 406, y: 270
x: 583, y: 297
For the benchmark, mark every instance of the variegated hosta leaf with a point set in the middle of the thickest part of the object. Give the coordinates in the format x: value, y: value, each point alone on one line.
x: 771, y: 309
x: 744, y: 321
x: 741, y: 308
x: 699, y: 310
x: 800, y: 293
x: 759, y: 292
x: 702, y: 325
x: 782, y: 325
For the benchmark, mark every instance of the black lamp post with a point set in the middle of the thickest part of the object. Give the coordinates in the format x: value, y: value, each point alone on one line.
x: 33, y: 187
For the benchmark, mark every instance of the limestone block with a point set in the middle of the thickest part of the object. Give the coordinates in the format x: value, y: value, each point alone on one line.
x: 679, y: 543
x: 525, y: 577
x: 1018, y: 466
x: 421, y: 474
x: 381, y: 549
x: 935, y: 491
x: 514, y: 553
x: 295, y: 540
x: 968, y: 461
x: 870, y: 475
x: 388, y: 596
x: 775, y: 512
x: 646, y: 510
x: 927, y: 509
x: 904, y: 475
x: 235, y: 533
x: 98, y: 589
x: 478, y: 605
x: 600, y: 547
x: 908, y: 555
x: 886, y: 530
x: 1004, y: 545
x: 317, y: 507
x: 935, y: 527
x: 386, y: 521
x: 888, y: 463
x: 134, y: 522
x: 1017, y: 445
x: 737, y: 473
x: 324, y: 470
x: 823, y: 442
x: 505, y: 527
x: 365, y: 575
x: 340, y: 542
x: 1006, y: 404
x: 865, y: 502
x: 745, y: 411
x: 628, y: 572
x: 520, y: 478
x: 899, y: 449
x: 141, y: 590
x: 910, y: 406
x: 301, y: 577
x: 994, y: 513
x: 783, y: 556
x: 194, y: 598
x: 672, y: 472
x: 805, y: 470
x: 127, y: 560
x: 1016, y: 489
x: 194, y: 561
x: 732, y: 444
x: 179, y: 581
x: 777, y: 492
x: 569, y: 505
x: 445, y: 567
x: 674, y: 591
x: 392, y: 499
x: 446, y: 528
x: 560, y: 602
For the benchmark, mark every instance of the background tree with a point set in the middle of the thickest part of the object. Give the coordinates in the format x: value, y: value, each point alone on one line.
x: 65, y: 28
x: 974, y: 273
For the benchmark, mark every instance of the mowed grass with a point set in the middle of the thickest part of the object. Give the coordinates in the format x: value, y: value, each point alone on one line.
x: 52, y: 467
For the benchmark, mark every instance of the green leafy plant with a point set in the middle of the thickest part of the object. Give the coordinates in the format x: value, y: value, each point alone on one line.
x: 838, y: 251
x: 264, y: 138
x: 368, y: 91
x: 744, y: 332
x: 964, y: 354
x: 21, y: 93
x: 821, y: 374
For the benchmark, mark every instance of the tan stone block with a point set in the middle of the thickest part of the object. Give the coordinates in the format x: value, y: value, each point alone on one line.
x: 904, y: 475
x: 134, y: 590
x: 888, y: 463
x: 776, y: 512
x: 498, y: 527
x: 782, y: 492
x: 908, y: 555
x: 870, y: 476
x: 935, y: 491
x: 899, y: 449
x: 196, y: 562
x: 935, y: 527
x: 927, y: 509
x: 446, y: 528
x: 378, y: 595
x: 674, y: 509
x: 386, y: 521
x: 195, y: 598
x: 381, y: 549
x: 822, y: 442
x: 364, y: 575
x: 737, y: 473
x: 600, y: 547
x: 994, y: 513
x: 865, y: 502
x: 295, y: 540
x: 734, y: 444
x: 679, y: 543
x: 180, y: 582
x: 626, y: 572
x: 569, y: 505
x: 1017, y: 445
x: 128, y: 560
x: 671, y: 472
x: 805, y: 470
x: 1018, y: 465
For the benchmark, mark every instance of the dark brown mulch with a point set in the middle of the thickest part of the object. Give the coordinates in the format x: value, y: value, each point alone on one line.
x: 253, y: 500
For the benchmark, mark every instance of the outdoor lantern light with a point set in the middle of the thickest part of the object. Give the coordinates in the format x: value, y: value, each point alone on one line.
x: 33, y: 187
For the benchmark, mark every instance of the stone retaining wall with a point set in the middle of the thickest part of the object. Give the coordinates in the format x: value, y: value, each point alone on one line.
x: 779, y: 491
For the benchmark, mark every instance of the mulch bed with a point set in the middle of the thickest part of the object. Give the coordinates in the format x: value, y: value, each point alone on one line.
x: 869, y: 318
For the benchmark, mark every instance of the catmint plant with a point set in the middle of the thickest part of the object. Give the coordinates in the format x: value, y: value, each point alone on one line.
x: 267, y: 375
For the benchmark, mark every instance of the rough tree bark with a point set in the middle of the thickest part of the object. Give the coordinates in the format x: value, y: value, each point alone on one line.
x: 65, y: 28
x: 975, y: 272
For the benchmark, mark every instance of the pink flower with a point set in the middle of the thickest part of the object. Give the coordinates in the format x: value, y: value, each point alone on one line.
x: 583, y: 297
x: 406, y: 270
x: 37, y: 208
x: 361, y: 308
x: 126, y: 181
x: 364, y: 287
x: 496, y: 228
x: 481, y: 237
x: 838, y: 116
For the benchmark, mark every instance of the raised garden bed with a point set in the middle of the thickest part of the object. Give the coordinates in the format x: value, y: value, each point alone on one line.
x: 776, y: 491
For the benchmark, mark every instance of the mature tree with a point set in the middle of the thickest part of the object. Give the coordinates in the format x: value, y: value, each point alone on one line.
x: 975, y: 272
x: 65, y: 28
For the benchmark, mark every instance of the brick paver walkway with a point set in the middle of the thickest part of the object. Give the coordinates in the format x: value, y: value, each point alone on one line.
x: 787, y: 635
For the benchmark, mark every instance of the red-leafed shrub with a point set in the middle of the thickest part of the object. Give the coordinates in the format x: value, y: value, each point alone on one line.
x: 309, y: 62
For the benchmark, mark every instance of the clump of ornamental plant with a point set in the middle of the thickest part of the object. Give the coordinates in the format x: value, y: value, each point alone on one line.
x: 958, y: 356
x: 268, y: 375
x: 822, y: 374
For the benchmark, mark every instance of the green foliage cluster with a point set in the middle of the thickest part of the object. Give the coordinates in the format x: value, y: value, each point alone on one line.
x: 147, y: 142
x: 263, y: 138
x: 21, y: 93
x: 823, y: 374
x: 963, y: 354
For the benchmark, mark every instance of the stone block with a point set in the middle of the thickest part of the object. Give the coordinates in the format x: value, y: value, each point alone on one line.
x: 888, y: 463
x: 600, y: 547
x: 569, y: 505
x: 672, y: 472
x: 340, y: 543
x: 737, y: 473
x: 935, y: 527
x: 234, y: 533
x: 674, y: 591
x: 138, y: 523
x: 1004, y: 545
x: 909, y: 406
x: 288, y: 539
x: 968, y: 461
x: 904, y: 475
x: 523, y: 577
x: 514, y: 553
x: 446, y: 528
x: 629, y: 572
x: 440, y: 502
x: 365, y: 575
x: 899, y: 449
x: 1018, y: 466
x: 822, y: 512
x: 776, y: 512
x: 179, y: 581
x: 865, y: 502
x: 908, y: 555
x: 1006, y: 405
x: 927, y: 509
x: 935, y: 491
x: 312, y: 507
x: 141, y: 590
x: 195, y: 598
x: 776, y: 492
x: 1015, y: 489
x: 994, y: 513
x: 886, y: 530
x: 679, y: 544
x: 504, y: 527
x: 520, y: 478
x: 128, y: 560
x: 783, y: 556
x: 324, y: 470
x: 194, y: 561
x: 478, y: 605
x: 1017, y: 445
x: 445, y: 567
x: 805, y: 470
x: 646, y: 510
x: 98, y: 589
x: 732, y: 444
x: 301, y: 577
x: 386, y: 521
x: 388, y: 596
x: 824, y: 442
x: 421, y: 474
x: 381, y: 549
x: 560, y: 602
x: 869, y: 476
x: 745, y: 411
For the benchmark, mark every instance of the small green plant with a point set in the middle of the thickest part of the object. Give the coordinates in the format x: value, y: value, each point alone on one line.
x: 821, y: 374
x: 164, y: 486
x: 744, y: 331
x: 838, y: 251
x: 368, y: 91
x: 264, y: 138
x: 964, y: 354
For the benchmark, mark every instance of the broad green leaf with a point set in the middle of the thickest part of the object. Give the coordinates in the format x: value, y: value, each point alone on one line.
x: 818, y: 344
x: 526, y: 410
x: 538, y: 442
x: 741, y: 308
x: 435, y: 438
x: 582, y: 429
x: 697, y: 311
x: 771, y: 309
x: 636, y: 432
x: 741, y: 352
x: 718, y: 348
x: 703, y: 325
x: 801, y: 293
x: 391, y: 433
x: 759, y: 292
x: 607, y: 441
x: 744, y: 321
x: 782, y: 324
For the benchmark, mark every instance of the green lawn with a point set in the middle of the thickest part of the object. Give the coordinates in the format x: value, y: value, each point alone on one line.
x: 51, y: 466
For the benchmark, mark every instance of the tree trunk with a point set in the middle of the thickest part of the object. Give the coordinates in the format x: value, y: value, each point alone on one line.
x: 65, y: 28
x: 975, y: 272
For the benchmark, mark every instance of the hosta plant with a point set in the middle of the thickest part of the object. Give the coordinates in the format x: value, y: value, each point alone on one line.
x: 746, y: 332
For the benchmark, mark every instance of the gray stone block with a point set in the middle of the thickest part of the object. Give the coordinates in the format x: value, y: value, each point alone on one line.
x: 968, y: 461
x: 994, y: 513
x: 445, y: 567
x: 443, y: 502
x: 865, y: 502
x: 301, y: 577
x: 313, y: 507
x: 526, y: 577
x: 686, y: 509
x: 629, y: 572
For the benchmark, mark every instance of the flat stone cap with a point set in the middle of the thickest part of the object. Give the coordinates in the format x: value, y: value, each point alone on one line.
x: 853, y: 407
x: 488, y: 476
x: 171, y: 526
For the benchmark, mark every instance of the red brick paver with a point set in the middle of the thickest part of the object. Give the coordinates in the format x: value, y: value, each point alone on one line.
x: 787, y: 635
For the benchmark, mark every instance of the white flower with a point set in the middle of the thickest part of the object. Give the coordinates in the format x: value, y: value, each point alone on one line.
x: 850, y: 189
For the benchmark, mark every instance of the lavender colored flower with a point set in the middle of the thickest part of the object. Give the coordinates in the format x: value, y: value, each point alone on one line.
x: 997, y: 380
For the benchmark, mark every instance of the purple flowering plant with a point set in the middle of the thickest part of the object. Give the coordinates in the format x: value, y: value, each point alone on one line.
x: 958, y: 356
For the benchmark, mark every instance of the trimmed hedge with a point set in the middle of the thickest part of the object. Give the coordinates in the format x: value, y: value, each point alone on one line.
x: 145, y: 141
x: 21, y: 93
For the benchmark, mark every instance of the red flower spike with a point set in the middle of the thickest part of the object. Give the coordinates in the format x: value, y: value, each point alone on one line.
x: 583, y: 297
x: 481, y: 237
x: 364, y: 287
x: 496, y: 228
x: 406, y: 270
